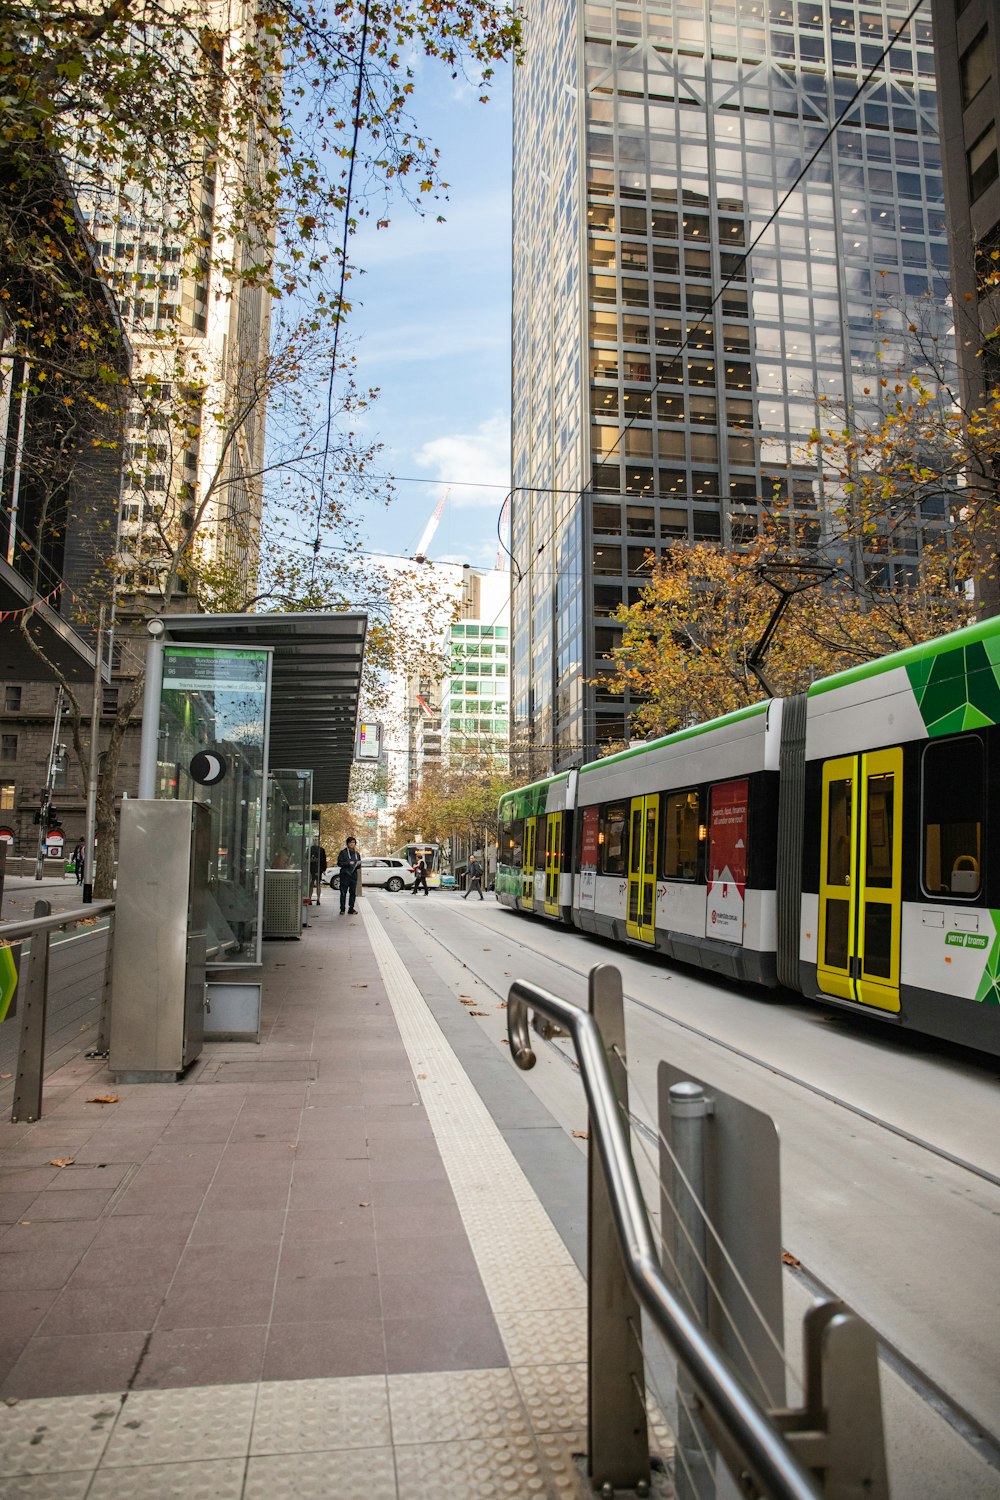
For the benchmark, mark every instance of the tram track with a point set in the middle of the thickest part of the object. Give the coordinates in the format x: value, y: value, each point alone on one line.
x: 914, y: 1374
x: 899, y: 1131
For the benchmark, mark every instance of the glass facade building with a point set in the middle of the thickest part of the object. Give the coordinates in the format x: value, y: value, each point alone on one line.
x: 475, y: 702
x: 652, y: 143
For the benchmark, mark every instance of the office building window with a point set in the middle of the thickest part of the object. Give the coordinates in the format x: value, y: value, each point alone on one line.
x: 975, y: 66
x: 984, y: 167
x: 12, y: 699
x: 8, y: 747
x: 6, y: 796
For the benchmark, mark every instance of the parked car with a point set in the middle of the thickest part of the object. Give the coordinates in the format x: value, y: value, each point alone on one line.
x: 387, y: 874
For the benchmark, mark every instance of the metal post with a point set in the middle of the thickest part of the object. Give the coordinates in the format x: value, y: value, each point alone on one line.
x: 95, y: 753
x: 149, y: 743
x: 694, y: 1476
x: 3, y: 869
x: 33, y: 986
x: 47, y: 789
x: 618, y: 1440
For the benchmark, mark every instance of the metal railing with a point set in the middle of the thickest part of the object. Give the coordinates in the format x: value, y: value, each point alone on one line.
x: 785, y: 1454
x: 33, y: 993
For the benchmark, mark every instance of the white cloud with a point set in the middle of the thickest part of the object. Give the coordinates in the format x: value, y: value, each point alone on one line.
x: 481, y: 456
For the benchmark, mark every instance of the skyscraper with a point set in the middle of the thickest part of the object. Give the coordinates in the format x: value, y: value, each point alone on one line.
x: 663, y: 380
x: 968, y: 57
x: 185, y: 260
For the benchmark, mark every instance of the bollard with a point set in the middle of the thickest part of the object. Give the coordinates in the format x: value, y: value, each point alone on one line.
x: 32, y: 999
x: 694, y: 1477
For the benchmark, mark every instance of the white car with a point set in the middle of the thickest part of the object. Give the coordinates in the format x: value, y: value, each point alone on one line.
x: 388, y: 874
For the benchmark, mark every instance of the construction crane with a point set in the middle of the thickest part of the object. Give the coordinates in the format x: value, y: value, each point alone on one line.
x: 420, y: 555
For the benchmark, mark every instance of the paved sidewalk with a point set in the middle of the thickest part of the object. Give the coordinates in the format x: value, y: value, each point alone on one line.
x: 312, y: 1267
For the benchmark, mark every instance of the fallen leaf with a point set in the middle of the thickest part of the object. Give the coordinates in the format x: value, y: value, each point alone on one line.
x: 788, y: 1259
x: 504, y: 1042
x: 506, y: 973
x: 104, y: 1099
x: 6, y: 1075
x: 24, y: 1221
x: 359, y: 986
x: 582, y: 1135
x: 62, y: 1161
x: 487, y: 950
x: 502, y: 1005
x: 478, y: 1012
x: 421, y: 1075
x: 365, y: 1204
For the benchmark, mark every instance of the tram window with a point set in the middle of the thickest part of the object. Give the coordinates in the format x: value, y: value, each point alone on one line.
x: 614, y: 834
x: 682, y: 818
x: 838, y: 858
x: 878, y: 855
x: 513, y: 837
x: 954, y: 794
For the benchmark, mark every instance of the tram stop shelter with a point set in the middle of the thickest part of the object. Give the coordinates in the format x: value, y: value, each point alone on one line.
x: 254, y: 716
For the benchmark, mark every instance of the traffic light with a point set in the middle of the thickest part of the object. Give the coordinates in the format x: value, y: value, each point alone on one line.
x: 51, y: 819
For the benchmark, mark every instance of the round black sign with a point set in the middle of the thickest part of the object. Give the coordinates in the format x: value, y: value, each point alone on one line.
x: 207, y: 768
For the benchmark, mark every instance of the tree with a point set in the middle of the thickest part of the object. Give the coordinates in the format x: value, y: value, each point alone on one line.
x: 687, y: 642
x: 255, y: 152
x: 457, y: 805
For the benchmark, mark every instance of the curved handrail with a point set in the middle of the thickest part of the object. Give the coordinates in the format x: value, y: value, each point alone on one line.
x: 776, y: 1469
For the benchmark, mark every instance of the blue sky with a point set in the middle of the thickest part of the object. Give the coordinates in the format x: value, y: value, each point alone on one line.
x: 431, y: 328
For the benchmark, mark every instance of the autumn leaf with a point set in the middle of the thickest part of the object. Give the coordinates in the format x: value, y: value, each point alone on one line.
x: 788, y: 1259
x: 104, y: 1099
x: 62, y: 1161
x: 478, y: 1012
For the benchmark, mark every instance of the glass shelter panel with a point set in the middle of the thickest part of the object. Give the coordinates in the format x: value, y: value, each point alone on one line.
x: 211, y: 749
x: 289, y: 823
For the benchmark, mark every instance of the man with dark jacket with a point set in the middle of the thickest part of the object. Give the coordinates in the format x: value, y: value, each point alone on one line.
x: 349, y: 863
x: 317, y: 869
x: 474, y: 876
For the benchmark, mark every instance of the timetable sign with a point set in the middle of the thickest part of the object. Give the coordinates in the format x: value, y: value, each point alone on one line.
x: 369, y: 742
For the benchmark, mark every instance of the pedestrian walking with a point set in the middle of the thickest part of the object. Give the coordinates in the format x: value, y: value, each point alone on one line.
x: 421, y: 879
x: 317, y: 869
x: 78, y: 862
x: 349, y: 863
x: 474, y: 879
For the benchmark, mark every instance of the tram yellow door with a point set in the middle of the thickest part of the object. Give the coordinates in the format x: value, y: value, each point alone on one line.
x: 644, y: 819
x: 553, y: 861
x: 528, y: 867
x: 860, y: 902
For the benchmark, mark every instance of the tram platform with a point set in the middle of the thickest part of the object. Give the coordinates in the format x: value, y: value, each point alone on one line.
x: 312, y: 1267
x: 345, y: 1262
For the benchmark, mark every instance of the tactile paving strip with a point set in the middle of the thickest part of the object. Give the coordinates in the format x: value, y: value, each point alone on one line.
x: 462, y: 1404
x: 62, y: 1433
x: 169, y: 1427
x: 344, y: 1474
x: 296, y: 1416
x: 508, y: 1228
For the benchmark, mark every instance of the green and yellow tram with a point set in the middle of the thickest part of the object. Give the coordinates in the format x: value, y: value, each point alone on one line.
x: 836, y: 843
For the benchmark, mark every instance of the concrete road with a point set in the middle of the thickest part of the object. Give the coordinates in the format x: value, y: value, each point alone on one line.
x: 890, y: 1145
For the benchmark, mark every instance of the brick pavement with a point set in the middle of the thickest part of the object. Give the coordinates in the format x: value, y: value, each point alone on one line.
x: 281, y: 1213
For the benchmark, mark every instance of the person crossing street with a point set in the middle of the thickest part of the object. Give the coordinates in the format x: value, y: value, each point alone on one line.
x: 474, y: 879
